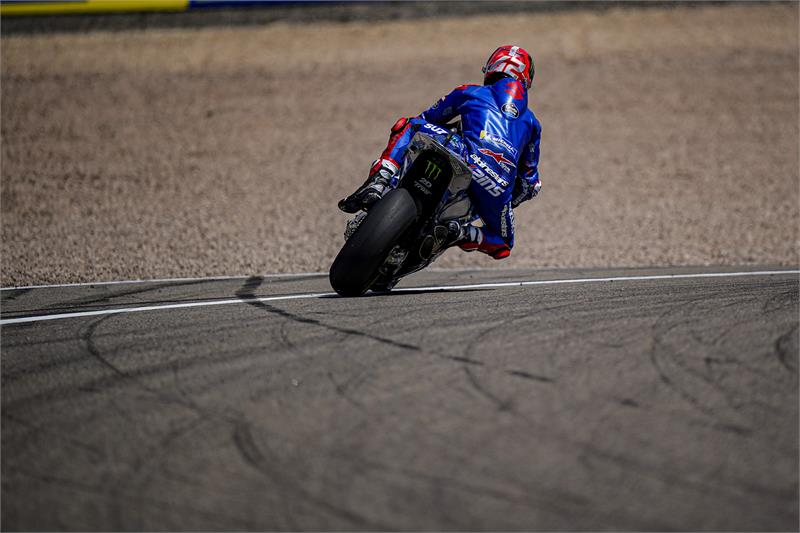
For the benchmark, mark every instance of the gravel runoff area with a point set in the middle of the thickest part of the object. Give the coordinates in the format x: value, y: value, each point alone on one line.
x: 670, y: 138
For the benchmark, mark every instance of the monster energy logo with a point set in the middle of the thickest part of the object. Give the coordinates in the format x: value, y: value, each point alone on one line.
x: 432, y: 171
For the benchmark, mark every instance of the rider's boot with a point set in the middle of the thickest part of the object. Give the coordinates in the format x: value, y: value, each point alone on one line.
x: 465, y: 236
x: 378, y: 183
x: 451, y: 234
x: 470, y: 238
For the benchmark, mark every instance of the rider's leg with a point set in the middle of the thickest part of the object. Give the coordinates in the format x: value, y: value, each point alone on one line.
x: 496, y: 237
x: 384, y: 170
x: 485, y: 241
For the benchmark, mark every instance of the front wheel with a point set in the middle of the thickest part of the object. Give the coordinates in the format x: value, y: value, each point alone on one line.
x: 358, y: 263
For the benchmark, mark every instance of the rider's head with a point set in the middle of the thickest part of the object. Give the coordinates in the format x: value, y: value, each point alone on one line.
x: 509, y: 62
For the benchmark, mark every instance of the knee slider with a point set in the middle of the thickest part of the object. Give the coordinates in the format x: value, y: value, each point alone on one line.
x: 495, y: 251
x: 502, y: 253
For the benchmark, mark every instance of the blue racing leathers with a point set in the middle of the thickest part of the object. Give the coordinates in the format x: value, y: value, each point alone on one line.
x: 501, y: 137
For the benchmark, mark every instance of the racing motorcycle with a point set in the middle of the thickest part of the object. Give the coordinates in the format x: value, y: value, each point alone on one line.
x: 405, y: 231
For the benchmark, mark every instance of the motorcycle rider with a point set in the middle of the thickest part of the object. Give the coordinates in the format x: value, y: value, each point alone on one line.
x: 502, y: 139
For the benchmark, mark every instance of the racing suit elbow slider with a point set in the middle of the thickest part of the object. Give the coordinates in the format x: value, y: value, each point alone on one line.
x: 399, y: 125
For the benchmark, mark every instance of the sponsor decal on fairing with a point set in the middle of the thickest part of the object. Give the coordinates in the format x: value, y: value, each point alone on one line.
x: 435, y: 129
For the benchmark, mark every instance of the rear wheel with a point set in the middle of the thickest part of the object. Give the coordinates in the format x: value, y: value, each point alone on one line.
x: 358, y: 263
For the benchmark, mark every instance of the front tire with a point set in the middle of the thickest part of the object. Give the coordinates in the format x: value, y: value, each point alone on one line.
x: 357, y: 266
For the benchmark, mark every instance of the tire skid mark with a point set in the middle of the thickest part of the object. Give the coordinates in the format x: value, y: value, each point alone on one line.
x: 515, y: 373
x: 444, y: 483
x: 283, y: 337
x: 356, y: 380
x: 56, y: 363
x: 14, y: 294
x: 780, y: 301
x: 246, y: 448
x: 688, y: 370
x: 154, y: 457
x: 50, y: 364
x: 499, y: 403
x: 116, y: 493
x: 342, y: 391
x: 73, y: 485
x: 170, y: 507
x: 255, y: 456
x: 96, y: 452
x: 134, y: 483
x: 588, y: 452
x: 151, y: 460
x: 489, y: 329
x: 108, y: 382
x: 511, y: 324
x: 521, y: 495
x: 367, y: 368
x: 105, y: 301
x: 528, y: 375
x: 786, y: 349
x: 245, y: 293
x: 675, y: 479
x: 465, y: 360
x: 133, y: 377
x: 48, y: 479
x: 692, y: 401
x: 718, y: 340
x: 660, y: 354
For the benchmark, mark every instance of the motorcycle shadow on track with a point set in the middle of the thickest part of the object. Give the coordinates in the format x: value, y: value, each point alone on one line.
x: 410, y: 291
x: 246, y: 293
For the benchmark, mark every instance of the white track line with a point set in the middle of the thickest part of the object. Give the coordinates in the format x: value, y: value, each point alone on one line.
x: 496, y: 285
x: 161, y: 280
x: 159, y: 308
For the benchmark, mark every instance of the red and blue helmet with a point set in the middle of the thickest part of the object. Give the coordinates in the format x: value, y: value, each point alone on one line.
x: 510, y: 61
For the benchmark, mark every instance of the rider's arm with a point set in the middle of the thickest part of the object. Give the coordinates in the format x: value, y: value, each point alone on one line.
x: 527, y: 184
x: 447, y: 107
x: 440, y: 113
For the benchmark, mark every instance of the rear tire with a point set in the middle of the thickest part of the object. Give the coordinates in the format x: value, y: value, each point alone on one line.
x: 357, y: 266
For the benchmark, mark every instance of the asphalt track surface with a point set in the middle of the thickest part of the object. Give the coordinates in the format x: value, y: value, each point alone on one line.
x: 629, y: 404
